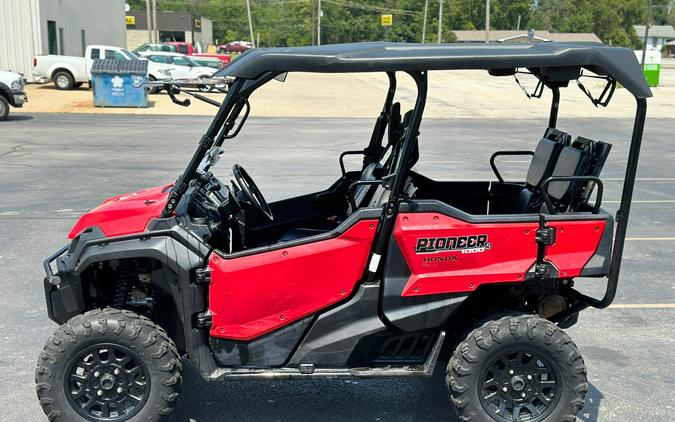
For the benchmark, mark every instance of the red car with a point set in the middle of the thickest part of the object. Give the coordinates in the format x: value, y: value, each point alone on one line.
x: 373, y: 276
x: 236, y: 47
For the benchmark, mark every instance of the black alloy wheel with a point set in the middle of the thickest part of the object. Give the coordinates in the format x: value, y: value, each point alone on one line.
x: 107, y: 382
x: 520, y: 386
x: 517, y: 368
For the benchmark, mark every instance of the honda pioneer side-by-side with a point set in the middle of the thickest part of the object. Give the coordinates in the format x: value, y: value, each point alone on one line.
x: 376, y: 276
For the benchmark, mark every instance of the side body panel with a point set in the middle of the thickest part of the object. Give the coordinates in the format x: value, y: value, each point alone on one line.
x: 448, y: 255
x: 253, y: 295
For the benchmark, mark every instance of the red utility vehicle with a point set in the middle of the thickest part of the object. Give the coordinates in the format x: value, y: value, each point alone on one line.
x: 376, y: 276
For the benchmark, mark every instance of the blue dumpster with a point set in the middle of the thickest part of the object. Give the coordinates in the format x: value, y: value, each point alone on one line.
x: 119, y: 83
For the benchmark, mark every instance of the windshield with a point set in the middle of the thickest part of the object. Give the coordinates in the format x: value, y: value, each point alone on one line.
x: 129, y: 54
x: 184, y: 61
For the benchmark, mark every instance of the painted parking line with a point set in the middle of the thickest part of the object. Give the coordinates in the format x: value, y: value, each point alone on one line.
x: 650, y: 238
x: 642, y: 306
x: 644, y: 201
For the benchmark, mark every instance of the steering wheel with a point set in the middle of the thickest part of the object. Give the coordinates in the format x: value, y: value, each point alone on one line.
x: 251, y: 191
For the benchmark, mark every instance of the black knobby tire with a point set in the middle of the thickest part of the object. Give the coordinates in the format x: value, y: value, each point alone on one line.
x: 63, y: 80
x: 4, y: 108
x: 129, y: 350
x: 548, y: 371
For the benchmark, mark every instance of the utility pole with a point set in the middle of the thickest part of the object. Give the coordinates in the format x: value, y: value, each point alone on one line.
x: 487, y: 21
x: 518, y: 25
x: 149, y: 19
x: 250, y: 23
x: 154, y: 20
x: 440, y: 20
x: 318, y: 25
x: 424, y: 24
x: 644, y: 48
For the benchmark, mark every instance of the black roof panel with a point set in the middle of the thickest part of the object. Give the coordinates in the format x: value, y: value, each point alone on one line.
x: 619, y: 63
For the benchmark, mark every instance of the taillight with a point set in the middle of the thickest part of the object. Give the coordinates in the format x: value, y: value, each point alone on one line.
x: 34, y: 61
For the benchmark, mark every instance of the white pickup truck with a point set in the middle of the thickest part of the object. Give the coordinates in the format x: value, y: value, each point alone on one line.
x: 68, y: 72
x: 11, y: 92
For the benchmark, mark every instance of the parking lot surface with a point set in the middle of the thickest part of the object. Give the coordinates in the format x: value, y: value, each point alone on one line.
x: 55, y: 167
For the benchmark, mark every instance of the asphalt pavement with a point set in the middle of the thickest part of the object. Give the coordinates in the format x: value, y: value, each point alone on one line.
x: 55, y: 167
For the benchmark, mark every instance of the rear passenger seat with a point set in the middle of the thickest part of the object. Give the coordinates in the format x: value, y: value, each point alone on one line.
x: 584, y: 157
x: 541, y: 168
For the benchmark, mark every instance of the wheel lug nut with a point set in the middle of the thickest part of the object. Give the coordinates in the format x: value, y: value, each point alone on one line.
x: 99, y: 393
x: 511, y: 371
x: 523, y: 395
x: 505, y: 389
x: 97, y: 374
x: 529, y: 377
x: 119, y: 390
x: 117, y: 372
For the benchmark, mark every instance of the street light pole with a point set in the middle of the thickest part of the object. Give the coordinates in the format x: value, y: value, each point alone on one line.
x: 318, y: 25
x: 424, y: 23
x: 149, y: 19
x: 440, y: 19
x: 154, y: 20
x: 644, y: 48
x: 250, y: 23
x: 487, y: 21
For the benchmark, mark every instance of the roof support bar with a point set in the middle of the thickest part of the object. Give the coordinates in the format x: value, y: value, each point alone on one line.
x: 555, y: 103
x: 400, y: 174
x: 621, y: 220
x: 375, y: 147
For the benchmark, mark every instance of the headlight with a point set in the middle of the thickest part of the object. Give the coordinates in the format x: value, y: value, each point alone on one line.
x: 17, y: 84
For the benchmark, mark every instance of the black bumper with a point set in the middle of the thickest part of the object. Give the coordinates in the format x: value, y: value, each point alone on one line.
x: 63, y: 291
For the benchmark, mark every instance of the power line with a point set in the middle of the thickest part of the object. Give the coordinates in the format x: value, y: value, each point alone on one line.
x: 369, y: 8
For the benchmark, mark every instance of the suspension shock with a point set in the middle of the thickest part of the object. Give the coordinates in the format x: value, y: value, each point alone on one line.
x: 123, y: 281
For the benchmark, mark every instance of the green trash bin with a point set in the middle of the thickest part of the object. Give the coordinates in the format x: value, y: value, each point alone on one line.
x: 652, y: 65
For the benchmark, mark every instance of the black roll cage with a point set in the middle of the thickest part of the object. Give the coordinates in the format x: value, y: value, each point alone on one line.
x: 241, y: 88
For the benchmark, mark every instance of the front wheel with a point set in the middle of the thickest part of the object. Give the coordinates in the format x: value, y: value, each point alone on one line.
x: 108, y: 365
x: 4, y: 108
x: 518, y: 368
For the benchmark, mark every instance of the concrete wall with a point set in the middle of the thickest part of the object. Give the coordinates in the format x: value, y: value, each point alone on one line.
x: 23, y: 28
x: 102, y: 20
x: 136, y: 37
x: 18, y: 41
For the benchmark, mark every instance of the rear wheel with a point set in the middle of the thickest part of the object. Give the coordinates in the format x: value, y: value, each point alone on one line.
x: 518, y: 368
x: 63, y: 80
x: 108, y: 365
x: 4, y: 108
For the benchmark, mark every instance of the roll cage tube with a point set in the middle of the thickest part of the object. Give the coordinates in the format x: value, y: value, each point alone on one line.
x: 399, y: 175
x: 621, y: 220
x: 222, y: 123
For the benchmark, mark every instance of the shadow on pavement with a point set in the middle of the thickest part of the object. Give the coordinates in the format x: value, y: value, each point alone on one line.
x: 592, y: 409
x: 422, y: 399
x: 18, y: 117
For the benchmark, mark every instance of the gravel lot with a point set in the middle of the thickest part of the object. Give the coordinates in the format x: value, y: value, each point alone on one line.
x: 55, y: 166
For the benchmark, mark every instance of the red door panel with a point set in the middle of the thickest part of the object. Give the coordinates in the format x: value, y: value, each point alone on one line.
x: 575, y: 244
x: 451, y: 265
x: 253, y: 295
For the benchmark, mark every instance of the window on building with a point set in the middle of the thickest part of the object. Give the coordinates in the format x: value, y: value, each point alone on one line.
x: 51, y: 37
x: 83, y: 39
x: 61, y: 43
x: 95, y: 54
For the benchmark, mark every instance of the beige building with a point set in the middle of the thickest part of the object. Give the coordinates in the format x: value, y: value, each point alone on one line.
x: 526, y: 36
x: 33, y: 27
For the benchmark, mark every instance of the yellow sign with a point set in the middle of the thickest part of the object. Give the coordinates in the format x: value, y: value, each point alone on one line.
x: 386, y: 20
x: 131, y: 20
x: 198, y: 23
